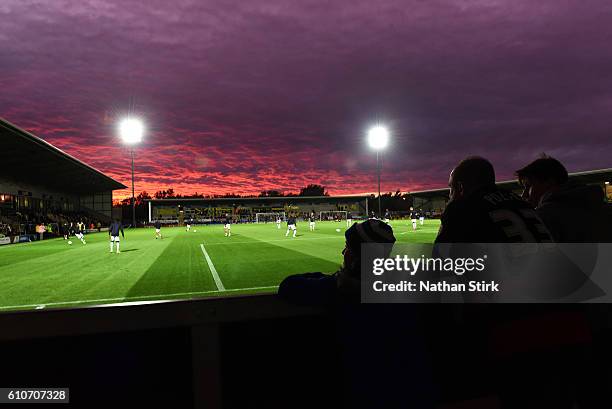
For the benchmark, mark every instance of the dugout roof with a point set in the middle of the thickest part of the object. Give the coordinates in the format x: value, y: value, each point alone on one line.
x: 586, y: 177
x: 27, y: 158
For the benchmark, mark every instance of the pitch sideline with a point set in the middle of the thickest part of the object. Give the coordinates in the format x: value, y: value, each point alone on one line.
x: 162, y: 297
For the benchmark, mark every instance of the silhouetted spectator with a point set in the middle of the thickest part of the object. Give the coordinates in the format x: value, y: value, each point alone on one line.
x: 319, y: 288
x: 531, y: 367
x: 480, y: 212
x: 385, y: 361
x: 573, y: 212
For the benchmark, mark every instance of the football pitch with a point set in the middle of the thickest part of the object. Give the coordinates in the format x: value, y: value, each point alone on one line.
x: 183, y: 265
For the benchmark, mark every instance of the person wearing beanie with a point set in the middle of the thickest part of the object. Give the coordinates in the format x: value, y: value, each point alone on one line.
x: 372, y: 340
x: 321, y: 289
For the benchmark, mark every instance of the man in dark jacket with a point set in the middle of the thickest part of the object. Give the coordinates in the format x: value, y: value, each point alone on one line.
x: 479, y: 212
x: 520, y: 346
x: 572, y: 212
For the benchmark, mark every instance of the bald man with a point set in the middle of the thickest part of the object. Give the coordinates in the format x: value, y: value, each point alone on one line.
x: 480, y: 212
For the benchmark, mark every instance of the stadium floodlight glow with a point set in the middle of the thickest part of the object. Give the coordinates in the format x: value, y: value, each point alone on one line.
x: 131, y: 130
x: 378, y: 137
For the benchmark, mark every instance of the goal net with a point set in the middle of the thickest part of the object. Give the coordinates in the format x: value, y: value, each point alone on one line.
x: 269, y: 217
x: 333, y: 215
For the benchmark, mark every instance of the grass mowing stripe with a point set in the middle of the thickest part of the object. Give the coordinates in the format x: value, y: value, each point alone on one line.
x: 162, y: 297
x: 213, y: 271
x: 288, y: 240
x: 52, y: 273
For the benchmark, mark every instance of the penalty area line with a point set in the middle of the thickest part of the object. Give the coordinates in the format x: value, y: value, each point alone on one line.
x: 213, y: 270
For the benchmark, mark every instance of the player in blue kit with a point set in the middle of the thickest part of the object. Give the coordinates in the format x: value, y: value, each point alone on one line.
x: 291, y: 225
x: 113, y: 232
x: 158, y: 234
x: 414, y: 215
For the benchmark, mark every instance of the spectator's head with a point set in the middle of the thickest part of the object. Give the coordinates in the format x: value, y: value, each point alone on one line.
x: 541, y: 176
x: 370, y: 231
x: 471, y: 174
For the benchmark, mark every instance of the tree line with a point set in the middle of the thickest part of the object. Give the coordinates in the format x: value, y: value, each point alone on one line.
x: 310, y: 190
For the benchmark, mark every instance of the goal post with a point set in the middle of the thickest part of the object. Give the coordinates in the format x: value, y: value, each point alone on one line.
x: 269, y: 217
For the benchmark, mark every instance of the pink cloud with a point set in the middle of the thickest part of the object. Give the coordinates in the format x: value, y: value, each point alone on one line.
x: 246, y: 96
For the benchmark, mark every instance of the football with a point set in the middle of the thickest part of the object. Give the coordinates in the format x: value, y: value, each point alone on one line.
x: 69, y: 242
x: 338, y: 230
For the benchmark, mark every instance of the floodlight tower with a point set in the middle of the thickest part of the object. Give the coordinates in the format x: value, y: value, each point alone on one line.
x: 378, y: 139
x: 131, y: 131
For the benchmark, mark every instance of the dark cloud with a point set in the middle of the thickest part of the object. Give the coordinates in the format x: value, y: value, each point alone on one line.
x: 243, y: 96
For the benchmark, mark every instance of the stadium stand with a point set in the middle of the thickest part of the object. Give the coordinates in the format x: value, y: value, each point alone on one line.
x: 40, y: 183
x: 245, y: 209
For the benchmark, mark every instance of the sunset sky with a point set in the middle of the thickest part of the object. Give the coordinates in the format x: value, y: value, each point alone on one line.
x: 241, y: 96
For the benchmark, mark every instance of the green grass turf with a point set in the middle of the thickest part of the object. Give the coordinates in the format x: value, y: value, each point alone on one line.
x: 256, y: 258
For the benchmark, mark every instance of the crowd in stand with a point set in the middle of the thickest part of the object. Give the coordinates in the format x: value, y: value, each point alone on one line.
x: 6, y: 226
x: 51, y: 223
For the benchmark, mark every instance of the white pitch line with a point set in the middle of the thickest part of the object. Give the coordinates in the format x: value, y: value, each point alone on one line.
x: 163, y: 297
x: 213, y: 270
x: 287, y: 240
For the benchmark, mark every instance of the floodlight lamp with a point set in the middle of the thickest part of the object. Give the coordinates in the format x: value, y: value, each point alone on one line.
x: 131, y: 130
x: 378, y: 137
